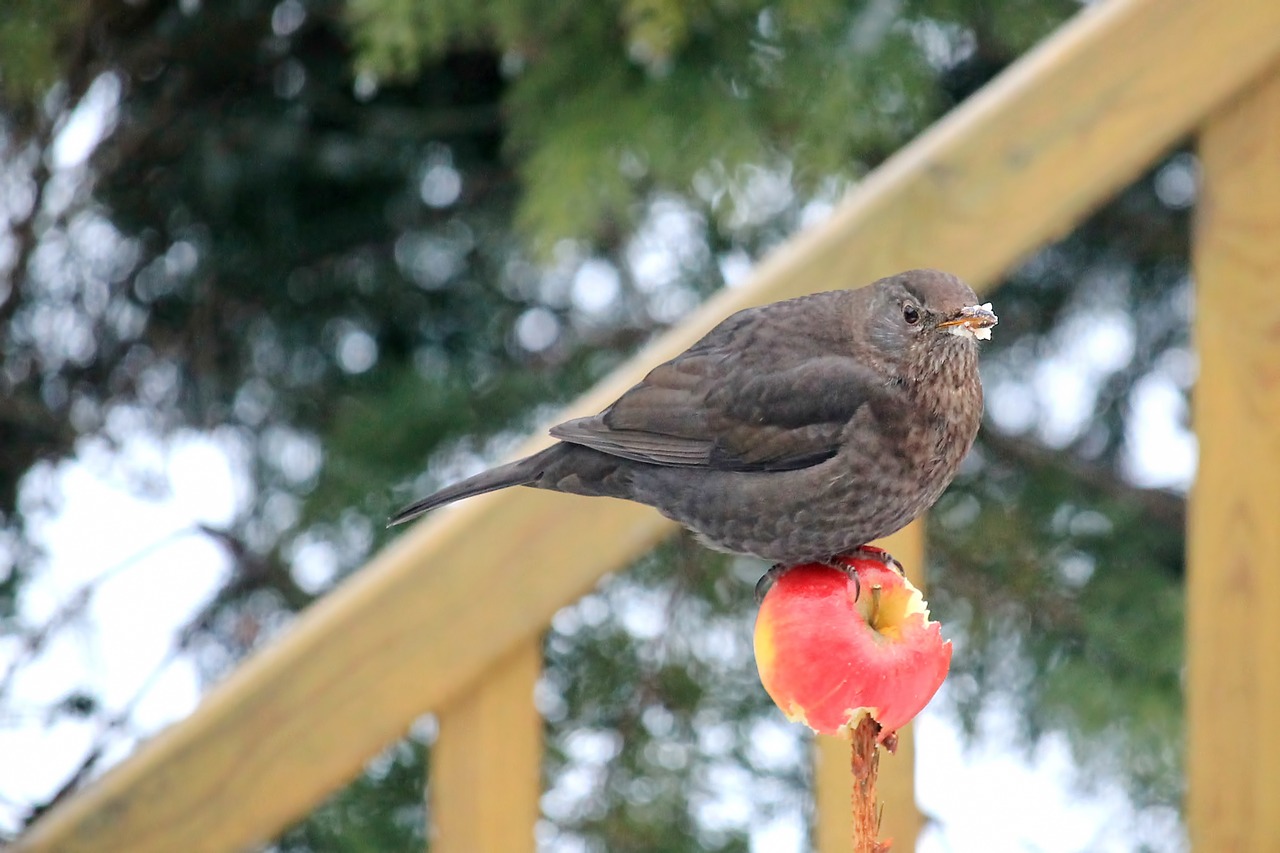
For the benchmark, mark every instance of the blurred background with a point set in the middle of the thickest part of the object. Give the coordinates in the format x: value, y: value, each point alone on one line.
x: 269, y: 269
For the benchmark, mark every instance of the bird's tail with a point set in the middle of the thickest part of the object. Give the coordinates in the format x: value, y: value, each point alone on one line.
x: 519, y: 473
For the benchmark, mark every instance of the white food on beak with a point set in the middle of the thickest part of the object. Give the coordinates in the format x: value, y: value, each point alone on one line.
x: 975, y: 321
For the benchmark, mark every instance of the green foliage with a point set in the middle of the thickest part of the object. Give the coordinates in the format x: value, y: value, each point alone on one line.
x: 30, y: 31
x: 683, y: 96
x: 651, y: 693
x: 1079, y: 625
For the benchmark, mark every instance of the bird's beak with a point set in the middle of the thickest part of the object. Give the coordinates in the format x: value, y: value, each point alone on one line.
x: 975, y: 320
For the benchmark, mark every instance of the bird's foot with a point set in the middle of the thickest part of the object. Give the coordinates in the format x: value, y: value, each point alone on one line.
x: 777, y: 570
x: 842, y: 562
x: 871, y: 552
x: 767, y: 580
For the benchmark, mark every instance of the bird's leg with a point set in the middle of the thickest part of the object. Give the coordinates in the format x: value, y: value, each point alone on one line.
x: 871, y: 552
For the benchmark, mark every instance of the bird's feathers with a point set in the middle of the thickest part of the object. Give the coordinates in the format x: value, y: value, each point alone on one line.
x: 729, y: 407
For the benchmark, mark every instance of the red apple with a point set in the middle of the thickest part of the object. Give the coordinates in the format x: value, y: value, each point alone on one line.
x: 830, y: 649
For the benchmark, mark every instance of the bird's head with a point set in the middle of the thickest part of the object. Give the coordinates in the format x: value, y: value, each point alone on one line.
x: 924, y: 320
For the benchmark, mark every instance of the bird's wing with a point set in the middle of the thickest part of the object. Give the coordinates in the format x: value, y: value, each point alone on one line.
x: 720, y: 410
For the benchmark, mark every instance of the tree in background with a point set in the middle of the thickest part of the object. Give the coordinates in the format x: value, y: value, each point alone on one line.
x: 356, y: 241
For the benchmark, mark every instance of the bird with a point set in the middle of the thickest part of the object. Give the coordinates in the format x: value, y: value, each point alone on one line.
x: 795, y: 431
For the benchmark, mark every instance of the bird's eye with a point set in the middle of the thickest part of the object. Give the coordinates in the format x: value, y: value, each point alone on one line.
x: 911, y: 314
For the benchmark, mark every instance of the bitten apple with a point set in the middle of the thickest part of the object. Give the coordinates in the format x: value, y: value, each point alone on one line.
x: 830, y: 648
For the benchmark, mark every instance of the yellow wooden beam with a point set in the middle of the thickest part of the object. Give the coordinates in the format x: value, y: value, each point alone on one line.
x: 486, y: 765
x: 1014, y: 166
x: 832, y: 777
x: 1233, y: 609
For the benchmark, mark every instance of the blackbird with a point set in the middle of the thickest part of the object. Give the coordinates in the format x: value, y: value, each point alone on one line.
x: 795, y: 431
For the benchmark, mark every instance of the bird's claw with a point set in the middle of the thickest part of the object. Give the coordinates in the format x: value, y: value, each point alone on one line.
x: 767, y: 580
x: 871, y: 552
x: 853, y: 576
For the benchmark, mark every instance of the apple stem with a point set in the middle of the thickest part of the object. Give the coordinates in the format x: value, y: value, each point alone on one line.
x: 875, y: 605
x: 865, y: 763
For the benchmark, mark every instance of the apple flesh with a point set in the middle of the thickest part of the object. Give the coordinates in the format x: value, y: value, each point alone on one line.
x: 831, y: 649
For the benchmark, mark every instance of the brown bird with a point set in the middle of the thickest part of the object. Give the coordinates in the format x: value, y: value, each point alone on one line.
x: 794, y: 431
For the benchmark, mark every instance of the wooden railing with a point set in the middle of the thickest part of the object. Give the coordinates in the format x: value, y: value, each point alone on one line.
x: 1233, y: 612
x: 448, y: 618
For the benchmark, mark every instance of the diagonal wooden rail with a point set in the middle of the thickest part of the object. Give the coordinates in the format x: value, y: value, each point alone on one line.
x: 422, y: 624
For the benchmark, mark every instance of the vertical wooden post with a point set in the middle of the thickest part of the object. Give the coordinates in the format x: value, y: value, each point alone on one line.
x: 486, y: 765
x: 1233, y: 611
x: 832, y: 779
